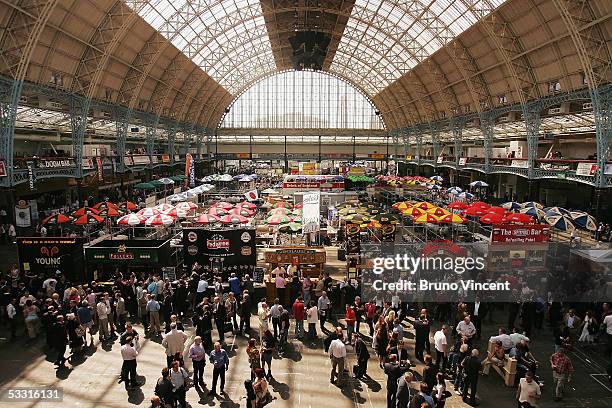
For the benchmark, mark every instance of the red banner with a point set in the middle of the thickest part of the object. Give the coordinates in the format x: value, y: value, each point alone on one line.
x: 520, y: 233
x: 2, y: 169
x: 100, y: 167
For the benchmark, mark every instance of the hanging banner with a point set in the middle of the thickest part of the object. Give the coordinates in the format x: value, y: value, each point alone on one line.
x: 187, y: 167
x: 100, y: 168
x: 252, y: 195
x: 31, y: 175
x: 311, y: 212
x: 2, y: 169
x: 22, y: 214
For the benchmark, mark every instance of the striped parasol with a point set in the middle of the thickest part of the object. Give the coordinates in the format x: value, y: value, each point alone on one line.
x: 159, y: 219
x: 560, y: 222
x: 207, y: 219
x: 583, y: 220
x: 234, y: 219
x: 56, y: 219
x: 88, y: 219
x: 130, y: 206
x: 148, y: 212
x: 132, y: 220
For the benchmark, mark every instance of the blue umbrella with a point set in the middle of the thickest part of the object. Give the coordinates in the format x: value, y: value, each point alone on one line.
x: 561, y: 222
x: 511, y: 206
x: 478, y: 184
x: 583, y: 220
x: 556, y: 211
x: 436, y: 178
x: 533, y: 211
x: 532, y: 204
x: 454, y: 190
x: 466, y: 195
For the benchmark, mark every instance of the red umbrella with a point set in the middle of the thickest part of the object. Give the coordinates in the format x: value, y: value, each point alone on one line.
x: 105, y: 204
x: 207, y: 219
x: 234, y: 219
x: 224, y: 205
x: 282, y: 204
x: 519, y: 218
x: 457, y: 205
x: 493, y: 218
x: 109, y: 212
x: 216, y: 211
x: 85, y: 210
x: 480, y: 204
x: 245, y: 212
x: 129, y: 205
x: 88, y: 219
x: 496, y: 210
x: 298, y: 205
x: 475, y: 211
x: 56, y: 219
x: 159, y: 219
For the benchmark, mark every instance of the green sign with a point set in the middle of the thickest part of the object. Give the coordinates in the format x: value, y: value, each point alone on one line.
x: 561, y: 175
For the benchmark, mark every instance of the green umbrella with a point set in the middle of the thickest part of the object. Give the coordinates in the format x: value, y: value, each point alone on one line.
x: 144, y: 186
x: 156, y: 183
x: 292, y: 226
x: 176, y: 178
x: 278, y: 219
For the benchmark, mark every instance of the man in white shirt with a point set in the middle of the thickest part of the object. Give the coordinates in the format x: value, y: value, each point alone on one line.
x: 201, y: 290
x: 174, y: 342
x: 128, y: 369
x: 528, y: 390
x: 607, y: 322
x: 466, y: 329
x: 441, y: 346
x: 49, y: 285
x: 337, y: 354
x: 323, y: 305
x: 43, y: 231
x: 102, y: 311
x: 11, y: 313
x: 505, y: 339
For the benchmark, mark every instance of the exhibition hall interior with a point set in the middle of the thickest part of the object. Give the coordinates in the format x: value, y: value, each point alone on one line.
x: 301, y: 203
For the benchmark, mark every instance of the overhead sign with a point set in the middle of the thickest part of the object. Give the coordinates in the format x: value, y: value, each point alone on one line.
x: 522, y: 164
x: 376, y: 156
x: 165, y: 158
x: 233, y: 248
x: 140, y: 159
x: 440, y: 160
x: 132, y: 252
x: 31, y: 175
x: 462, y: 161
x: 520, y: 234
x: 49, y: 254
x: 128, y: 161
x: 586, y: 169
x: 311, y: 212
x: 55, y: 163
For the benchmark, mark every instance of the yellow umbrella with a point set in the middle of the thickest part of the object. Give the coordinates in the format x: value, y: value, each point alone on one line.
x: 438, y: 211
x: 425, y: 219
x: 403, y: 205
x: 424, y: 205
x: 413, y: 212
x: 451, y: 219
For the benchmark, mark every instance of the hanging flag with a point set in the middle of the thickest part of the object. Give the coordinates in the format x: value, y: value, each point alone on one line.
x: 100, y: 168
x: 187, y: 168
x: 192, y: 174
x: 31, y: 175
x: 252, y: 195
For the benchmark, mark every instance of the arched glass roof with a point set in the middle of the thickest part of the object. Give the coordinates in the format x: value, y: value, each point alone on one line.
x: 302, y: 100
x: 381, y: 41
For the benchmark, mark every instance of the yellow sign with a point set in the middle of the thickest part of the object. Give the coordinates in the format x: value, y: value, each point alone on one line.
x: 309, y: 168
x: 243, y: 156
x: 408, y: 157
x: 357, y: 171
x: 376, y: 156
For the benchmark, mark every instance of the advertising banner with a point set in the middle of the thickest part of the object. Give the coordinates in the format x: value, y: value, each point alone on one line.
x: 130, y: 252
x: 55, y: 163
x: 49, y: 254
x: 232, y: 250
x: 522, y: 164
x: 100, y: 168
x: 140, y: 159
x: 520, y: 234
x: 462, y: 161
x: 586, y: 169
x: 22, y: 214
x: 311, y: 212
x: 31, y: 175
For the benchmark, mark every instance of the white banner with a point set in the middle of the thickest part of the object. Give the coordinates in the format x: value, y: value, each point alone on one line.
x: 251, y: 195
x: 311, y: 212
x: 586, y: 169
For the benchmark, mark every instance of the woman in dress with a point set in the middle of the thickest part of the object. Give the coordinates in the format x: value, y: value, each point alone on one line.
x: 381, y: 340
x: 254, y: 357
x: 30, y: 314
x: 589, y: 329
x: 262, y: 395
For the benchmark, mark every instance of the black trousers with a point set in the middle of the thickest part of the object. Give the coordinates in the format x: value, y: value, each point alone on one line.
x: 179, y: 396
x: 128, y: 372
x: 220, y: 328
x: 276, y: 326
x: 61, y: 350
x: 471, y: 383
x: 478, y: 324
x: 198, y: 372
x: 391, y: 392
x: 441, y: 358
x: 362, y: 364
x: 218, y: 372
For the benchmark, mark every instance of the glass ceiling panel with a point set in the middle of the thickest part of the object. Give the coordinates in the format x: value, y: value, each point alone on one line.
x: 384, y: 39
x: 215, y: 35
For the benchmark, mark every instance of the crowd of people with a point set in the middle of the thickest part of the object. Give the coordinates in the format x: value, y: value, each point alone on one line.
x: 72, y: 315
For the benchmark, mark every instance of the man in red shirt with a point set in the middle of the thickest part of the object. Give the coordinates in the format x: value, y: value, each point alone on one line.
x: 350, y: 319
x: 298, y: 315
x: 562, y: 371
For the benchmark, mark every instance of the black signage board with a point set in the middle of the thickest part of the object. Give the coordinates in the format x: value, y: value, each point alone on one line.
x: 233, y: 250
x: 50, y: 254
x: 132, y: 252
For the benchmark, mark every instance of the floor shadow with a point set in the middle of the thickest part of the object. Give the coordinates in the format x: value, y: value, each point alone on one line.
x: 372, y: 384
x: 63, y: 372
x: 281, y: 388
x: 135, y: 396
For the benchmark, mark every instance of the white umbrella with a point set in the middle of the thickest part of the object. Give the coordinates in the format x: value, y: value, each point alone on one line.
x: 166, y: 180
x: 176, y: 212
x: 478, y: 183
x: 164, y: 207
x: 561, y: 222
x: 159, y: 219
x: 131, y: 220
x: 148, y: 212
x: 187, y: 206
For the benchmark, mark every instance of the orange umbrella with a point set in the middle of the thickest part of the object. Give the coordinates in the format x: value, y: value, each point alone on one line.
x: 109, y: 212
x: 88, y: 219
x: 425, y: 219
x: 105, y: 204
x: 129, y: 205
x: 84, y: 210
x: 56, y: 219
